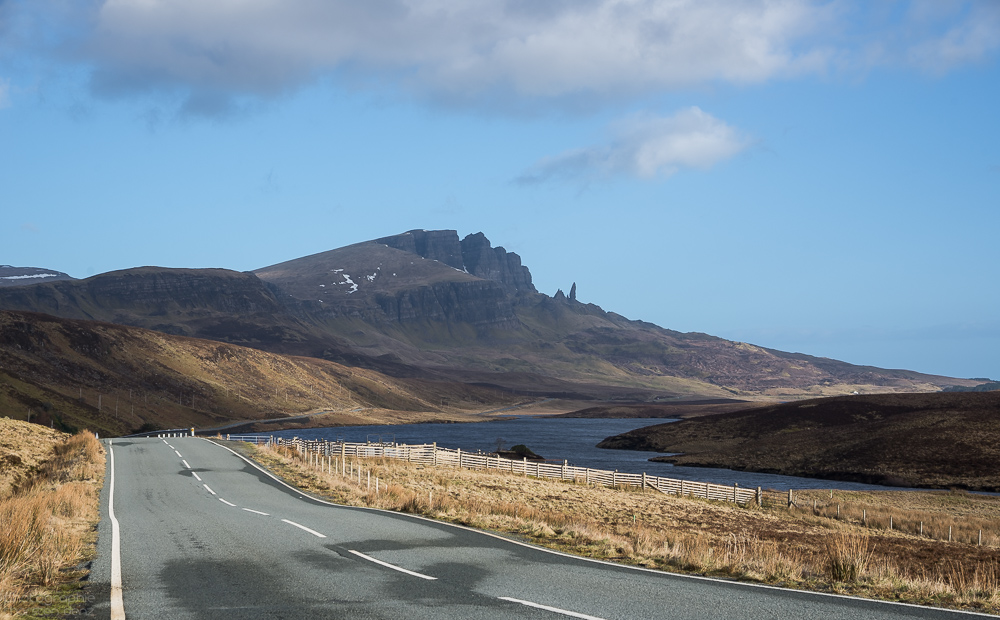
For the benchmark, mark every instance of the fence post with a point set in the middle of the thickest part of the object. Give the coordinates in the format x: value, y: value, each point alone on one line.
x: 760, y: 498
x: 434, y: 447
x: 562, y: 476
x: 736, y: 486
x: 791, y: 502
x: 588, y: 476
x: 614, y: 479
x: 460, y: 458
x: 643, y: 481
x: 525, y: 467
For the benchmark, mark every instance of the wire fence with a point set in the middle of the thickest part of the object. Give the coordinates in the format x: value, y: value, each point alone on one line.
x: 433, y: 455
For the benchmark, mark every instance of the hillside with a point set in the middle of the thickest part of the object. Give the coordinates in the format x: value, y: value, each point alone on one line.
x: 115, y: 379
x: 431, y: 305
x: 923, y: 440
x: 20, y: 276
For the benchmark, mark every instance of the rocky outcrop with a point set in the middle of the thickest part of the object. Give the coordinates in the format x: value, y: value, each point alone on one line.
x: 440, y: 245
x: 474, y: 255
x: 481, y: 304
x: 496, y: 264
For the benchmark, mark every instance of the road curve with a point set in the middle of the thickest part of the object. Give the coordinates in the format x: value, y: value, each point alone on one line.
x: 206, y: 534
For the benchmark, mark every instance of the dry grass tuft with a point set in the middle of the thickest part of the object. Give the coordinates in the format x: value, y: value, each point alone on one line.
x: 46, y: 520
x: 848, y: 556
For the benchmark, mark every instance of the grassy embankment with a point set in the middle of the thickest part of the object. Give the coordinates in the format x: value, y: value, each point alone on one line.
x: 941, y: 440
x: 50, y: 484
x: 796, y: 547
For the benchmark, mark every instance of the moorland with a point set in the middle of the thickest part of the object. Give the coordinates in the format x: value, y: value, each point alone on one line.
x: 938, y: 440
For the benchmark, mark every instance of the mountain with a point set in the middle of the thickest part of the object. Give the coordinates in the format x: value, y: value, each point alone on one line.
x: 19, y: 276
x: 116, y: 379
x: 431, y: 305
x: 946, y: 439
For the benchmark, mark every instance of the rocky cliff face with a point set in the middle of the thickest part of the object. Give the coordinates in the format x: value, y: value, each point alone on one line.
x: 389, y: 281
x: 496, y: 264
x: 481, y: 304
x: 440, y: 245
x: 209, y: 303
x: 474, y: 254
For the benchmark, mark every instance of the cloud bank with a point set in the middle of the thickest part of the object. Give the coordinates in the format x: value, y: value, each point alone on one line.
x: 478, y: 53
x: 646, y: 147
x: 449, y: 48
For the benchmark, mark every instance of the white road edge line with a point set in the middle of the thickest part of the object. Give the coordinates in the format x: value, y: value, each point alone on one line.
x: 117, y: 606
x: 662, y: 573
x: 257, y: 512
x: 197, y: 477
x: 392, y: 566
x: 209, y: 489
x: 302, y: 527
x: 185, y: 464
x: 556, y: 610
x: 227, y: 503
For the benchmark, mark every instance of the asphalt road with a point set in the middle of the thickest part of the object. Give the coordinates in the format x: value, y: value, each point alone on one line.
x: 205, y: 534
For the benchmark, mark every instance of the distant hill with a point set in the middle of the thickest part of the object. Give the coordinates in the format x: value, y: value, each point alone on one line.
x: 20, y: 276
x: 923, y: 440
x: 432, y: 305
x: 115, y: 379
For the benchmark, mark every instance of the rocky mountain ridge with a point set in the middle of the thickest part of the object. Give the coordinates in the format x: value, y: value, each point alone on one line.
x: 429, y: 304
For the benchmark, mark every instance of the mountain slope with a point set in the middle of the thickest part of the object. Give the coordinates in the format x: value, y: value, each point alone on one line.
x: 20, y: 276
x: 937, y: 440
x: 429, y: 304
x: 114, y: 379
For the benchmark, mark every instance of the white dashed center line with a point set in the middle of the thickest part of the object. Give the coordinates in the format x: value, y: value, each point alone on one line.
x: 302, y: 527
x: 257, y: 512
x: 571, y: 614
x: 209, y: 489
x: 178, y: 454
x: 226, y: 503
x: 392, y: 566
x: 197, y: 477
x: 185, y: 464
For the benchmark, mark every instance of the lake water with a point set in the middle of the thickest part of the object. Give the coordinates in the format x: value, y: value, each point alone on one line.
x: 558, y: 439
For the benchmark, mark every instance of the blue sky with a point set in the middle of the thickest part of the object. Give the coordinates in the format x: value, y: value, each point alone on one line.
x: 821, y: 177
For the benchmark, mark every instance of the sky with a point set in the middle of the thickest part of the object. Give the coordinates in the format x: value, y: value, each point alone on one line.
x: 813, y: 176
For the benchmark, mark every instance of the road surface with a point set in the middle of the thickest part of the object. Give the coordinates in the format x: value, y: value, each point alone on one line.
x: 203, y: 533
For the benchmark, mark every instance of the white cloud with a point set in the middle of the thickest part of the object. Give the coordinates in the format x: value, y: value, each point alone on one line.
x: 488, y: 52
x: 647, y: 147
x: 450, y: 48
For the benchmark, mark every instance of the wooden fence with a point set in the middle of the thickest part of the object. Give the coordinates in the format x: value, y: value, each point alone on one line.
x: 432, y: 455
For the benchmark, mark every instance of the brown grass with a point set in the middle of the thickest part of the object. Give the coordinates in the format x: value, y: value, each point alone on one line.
x: 46, y: 523
x: 776, y: 545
